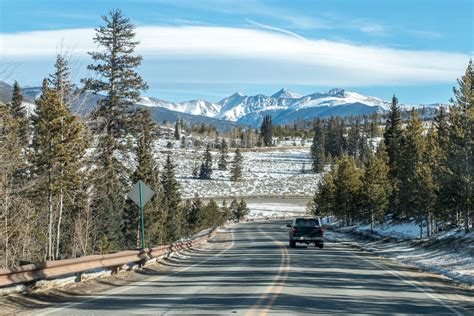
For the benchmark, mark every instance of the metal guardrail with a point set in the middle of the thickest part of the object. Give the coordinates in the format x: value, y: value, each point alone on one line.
x: 53, y: 269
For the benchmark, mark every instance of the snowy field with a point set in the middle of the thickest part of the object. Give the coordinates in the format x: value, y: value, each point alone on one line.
x: 275, y: 173
x: 450, y: 253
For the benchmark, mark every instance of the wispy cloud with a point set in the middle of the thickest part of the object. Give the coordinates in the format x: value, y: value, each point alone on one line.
x: 277, y: 29
x: 268, y: 54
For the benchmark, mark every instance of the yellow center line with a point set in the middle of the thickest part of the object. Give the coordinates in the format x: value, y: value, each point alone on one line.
x: 272, y: 291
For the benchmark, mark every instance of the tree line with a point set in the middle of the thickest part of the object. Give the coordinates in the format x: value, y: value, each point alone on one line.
x: 64, y: 179
x: 417, y: 171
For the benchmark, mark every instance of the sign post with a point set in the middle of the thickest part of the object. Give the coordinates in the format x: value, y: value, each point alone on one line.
x: 141, y: 194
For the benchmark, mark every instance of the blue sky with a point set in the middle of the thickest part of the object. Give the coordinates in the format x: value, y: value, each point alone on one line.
x: 211, y: 48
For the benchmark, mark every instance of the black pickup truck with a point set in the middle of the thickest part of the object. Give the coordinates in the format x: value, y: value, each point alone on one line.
x: 306, y: 230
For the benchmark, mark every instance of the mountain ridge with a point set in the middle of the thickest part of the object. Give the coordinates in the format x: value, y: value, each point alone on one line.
x: 285, y: 106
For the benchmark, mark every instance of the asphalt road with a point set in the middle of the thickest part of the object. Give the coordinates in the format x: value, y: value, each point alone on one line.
x: 250, y: 270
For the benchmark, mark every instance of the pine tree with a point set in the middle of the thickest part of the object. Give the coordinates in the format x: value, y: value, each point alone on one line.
x: 393, y: 136
x: 460, y: 159
x: 212, y: 215
x: 317, y: 148
x: 223, y: 155
x: 334, y: 141
x: 243, y: 209
x: 12, y: 201
x: 117, y: 65
x: 171, y: 201
x: 411, y: 181
x: 446, y: 205
x: 60, y: 80
x: 20, y: 114
x: 324, y: 197
x: 347, y: 189
x: 148, y: 171
x: 194, y: 215
x: 59, y: 146
x: 353, y: 139
x: 225, y: 212
x: 234, y: 210
x: 113, y: 119
x: 205, y: 172
x: 375, y: 190
x: 236, y: 169
x: 266, y: 131
x: 431, y: 160
x: 176, y: 131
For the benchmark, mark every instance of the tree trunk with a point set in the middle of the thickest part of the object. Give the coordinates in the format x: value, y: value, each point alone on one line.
x: 466, y: 219
x: 421, y: 229
x: 6, y: 227
x: 428, y: 226
x: 58, y: 232
x: 50, y: 225
x: 372, y: 222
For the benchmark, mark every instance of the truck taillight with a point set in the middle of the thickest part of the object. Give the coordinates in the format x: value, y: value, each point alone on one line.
x: 294, y: 230
x: 322, y: 231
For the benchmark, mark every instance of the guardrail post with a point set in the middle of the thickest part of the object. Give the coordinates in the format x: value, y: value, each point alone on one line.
x: 78, y: 277
x: 115, y: 269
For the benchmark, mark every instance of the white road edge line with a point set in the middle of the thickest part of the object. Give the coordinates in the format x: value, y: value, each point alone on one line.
x: 121, y: 289
x: 399, y: 276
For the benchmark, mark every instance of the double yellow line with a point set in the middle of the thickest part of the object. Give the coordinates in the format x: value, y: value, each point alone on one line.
x: 271, y: 293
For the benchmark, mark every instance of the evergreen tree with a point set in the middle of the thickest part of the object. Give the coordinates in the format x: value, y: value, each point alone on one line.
x: 12, y: 202
x: 59, y: 145
x: 60, y: 80
x: 113, y: 119
x: 266, y: 131
x: 194, y: 216
x: 19, y: 113
x: 234, y: 210
x: 324, y: 198
x: 353, y: 139
x: 148, y: 171
x: 334, y: 142
x: 375, y: 189
x: 205, y: 172
x: 317, y: 148
x: 347, y: 189
x: 243, y: 209
x: 393, y: 135
x: 411, y: 182
x: 223, y: 155
x: 446, y: 205
x: 171, y: 201
x: 225, y: 212
x: 176, y: 131
x: 429, y: 169
x: 236, y: 169
x: 460, y: 160
x: 238, y: 209
x: 212, y: 215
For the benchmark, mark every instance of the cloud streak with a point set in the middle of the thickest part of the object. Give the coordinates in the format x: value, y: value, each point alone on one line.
x: 312, y: 60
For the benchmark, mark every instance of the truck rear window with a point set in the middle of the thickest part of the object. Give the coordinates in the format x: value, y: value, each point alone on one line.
x: 306, y: 222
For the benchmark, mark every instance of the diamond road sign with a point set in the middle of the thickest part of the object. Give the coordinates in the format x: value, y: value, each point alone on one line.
x: 147, y: 193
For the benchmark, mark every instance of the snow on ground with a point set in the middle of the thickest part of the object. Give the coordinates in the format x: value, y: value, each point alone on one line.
x: 274, y: 210
x: 271, y: 173
x: 410, y: 230
x: 450, y: 253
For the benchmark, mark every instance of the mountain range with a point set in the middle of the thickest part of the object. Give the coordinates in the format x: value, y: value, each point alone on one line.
x: 238, y: 109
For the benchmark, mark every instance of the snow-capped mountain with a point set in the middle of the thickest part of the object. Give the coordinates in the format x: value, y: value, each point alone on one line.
x: 194, y: 107
x: 284, y: 106
x: 286, y: 94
